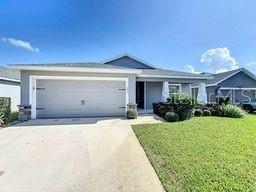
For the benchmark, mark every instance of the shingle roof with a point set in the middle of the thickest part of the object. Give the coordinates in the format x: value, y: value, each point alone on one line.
x: 9, y: 73
x: 220, y: 76
x: 165, y: 72
x: 79, y: 64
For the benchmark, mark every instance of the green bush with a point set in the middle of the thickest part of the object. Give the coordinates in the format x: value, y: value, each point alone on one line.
x: 5, y: 109
x: 181, y: 98
x: 198, y: 112
x: 233, y: 111
x: 182, y: 105
x: 215, y: 109
x: 132, y: 114
x: 221, y: 100
x: 163, y: 109
x: 206, y: 112
x: 14, y: 116
x: 171, y: 117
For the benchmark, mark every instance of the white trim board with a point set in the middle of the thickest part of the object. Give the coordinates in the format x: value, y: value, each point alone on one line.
x: 78, y: 69
x: 174, y: 77
x: 237, y: 88
x: 33, y: 79
x: 130, y: 56
x: 9, y: 79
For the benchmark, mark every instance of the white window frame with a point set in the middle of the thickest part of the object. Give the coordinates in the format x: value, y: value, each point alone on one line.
x: 175, y: 84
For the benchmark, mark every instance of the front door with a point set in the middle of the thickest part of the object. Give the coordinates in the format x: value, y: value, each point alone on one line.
x: 140, y: 95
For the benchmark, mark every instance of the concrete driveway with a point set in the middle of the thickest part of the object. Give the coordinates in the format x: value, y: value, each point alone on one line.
x: 73, y: 155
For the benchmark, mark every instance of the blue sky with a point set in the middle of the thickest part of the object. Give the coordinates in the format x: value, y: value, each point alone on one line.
x: 175, y: 34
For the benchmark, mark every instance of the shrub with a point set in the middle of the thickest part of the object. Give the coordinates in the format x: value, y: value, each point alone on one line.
x: 198, y: 112
x: 182, y: 105
x: 182, y: 98
x: 171, y: 117
x: 221, y: 100
x: 216, y: 110
x: 5, y: 109
x: 14, y: 116
x: 206, y: 112
x: 131, y: 114
x: 233, y: 111
x: 163, y: 109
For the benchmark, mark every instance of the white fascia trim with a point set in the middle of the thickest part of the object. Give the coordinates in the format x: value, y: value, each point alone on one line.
x: 9, y: 79
x: 131, y: 56
x: 34, y: 78
x: 174, y: 77
x: 209, y: 85
x: 78, y: 69
x: 237, y: 88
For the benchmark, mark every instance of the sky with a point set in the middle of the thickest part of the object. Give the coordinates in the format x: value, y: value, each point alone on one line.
x: 195, y: 36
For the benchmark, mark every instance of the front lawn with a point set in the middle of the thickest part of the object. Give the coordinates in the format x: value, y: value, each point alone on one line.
x: 203, y: 153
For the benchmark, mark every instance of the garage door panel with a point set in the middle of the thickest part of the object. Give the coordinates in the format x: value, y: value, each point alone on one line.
x: 69, y: 98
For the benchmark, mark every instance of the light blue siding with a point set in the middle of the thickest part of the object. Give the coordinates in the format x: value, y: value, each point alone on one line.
x: 153, y: 93
x: 129, y: 62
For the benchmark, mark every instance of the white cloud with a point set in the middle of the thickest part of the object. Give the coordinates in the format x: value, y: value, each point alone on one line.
x: 221, y: 70
x: 20, y: 43
x: 191, y: 69
x: 251, y: 63
x: 219, y: 60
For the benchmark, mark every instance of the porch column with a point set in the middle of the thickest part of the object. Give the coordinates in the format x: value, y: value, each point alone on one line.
x: 165, y: 91
x: 202, y: 95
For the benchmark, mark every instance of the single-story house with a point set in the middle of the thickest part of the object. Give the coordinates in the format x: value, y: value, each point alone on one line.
x: 10, y: 86
x: 99, y: 89
x: 239, y: 85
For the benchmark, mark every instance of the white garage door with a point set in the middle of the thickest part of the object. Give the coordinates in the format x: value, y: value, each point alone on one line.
x: 71, y: 98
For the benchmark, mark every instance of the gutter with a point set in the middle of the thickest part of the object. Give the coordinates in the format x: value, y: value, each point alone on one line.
x: 76, y: 69
x: 9, y: 79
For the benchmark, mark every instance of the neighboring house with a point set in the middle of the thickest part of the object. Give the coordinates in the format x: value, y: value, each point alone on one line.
x: 10, y: 85
x: 237, y: 84
x: 99, y: 89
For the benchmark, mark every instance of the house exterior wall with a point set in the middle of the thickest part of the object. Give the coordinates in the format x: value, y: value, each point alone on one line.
x: 128, y: 62
x: 185, y: 88
x: 239, y: 80
x: 211, y: 94
x: 12, y: 90
x: 153, y: 93
x: 26, y: 74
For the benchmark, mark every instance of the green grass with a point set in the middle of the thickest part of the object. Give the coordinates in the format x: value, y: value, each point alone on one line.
x: 203, y: 153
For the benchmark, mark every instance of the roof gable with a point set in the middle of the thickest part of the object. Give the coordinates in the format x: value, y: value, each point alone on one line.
x: 240, y: 79
x: 229, y: 75
x: 129, y: 61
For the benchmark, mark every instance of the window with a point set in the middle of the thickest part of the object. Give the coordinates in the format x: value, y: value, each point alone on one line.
x: 174, y: 88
